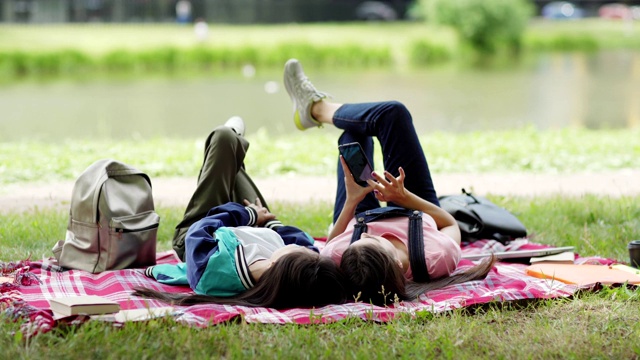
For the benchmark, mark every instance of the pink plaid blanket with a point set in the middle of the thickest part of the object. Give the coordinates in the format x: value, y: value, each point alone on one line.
x: 37, y: 281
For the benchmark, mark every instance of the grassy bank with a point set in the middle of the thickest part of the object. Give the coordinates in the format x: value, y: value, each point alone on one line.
x: 77, y: 50
x: 525, y: 150
x: 593, y: 225
x: 593, y: 325
x: 583, y: 35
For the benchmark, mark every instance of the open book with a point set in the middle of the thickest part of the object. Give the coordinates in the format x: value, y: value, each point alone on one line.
x: 582, y: 275
x: 566, y: 257
x: 88, y: 304
x: 519, y: 254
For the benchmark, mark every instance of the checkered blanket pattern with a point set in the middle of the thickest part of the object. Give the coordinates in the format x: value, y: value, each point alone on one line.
x: 506, y: 282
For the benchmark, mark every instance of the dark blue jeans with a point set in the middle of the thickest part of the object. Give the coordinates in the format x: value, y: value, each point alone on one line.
x: 390, y: 122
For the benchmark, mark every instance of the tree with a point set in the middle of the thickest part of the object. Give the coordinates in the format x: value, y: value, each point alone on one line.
x: 487, y: 25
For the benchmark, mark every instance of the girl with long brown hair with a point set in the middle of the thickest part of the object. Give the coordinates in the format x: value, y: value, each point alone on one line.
x: 377, y: 263
x: 235, y: 251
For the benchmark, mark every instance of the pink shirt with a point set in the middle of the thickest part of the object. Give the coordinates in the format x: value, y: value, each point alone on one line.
x: 442, y: 253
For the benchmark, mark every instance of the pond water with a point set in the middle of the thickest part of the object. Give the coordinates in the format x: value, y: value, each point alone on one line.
x: 600, y: 90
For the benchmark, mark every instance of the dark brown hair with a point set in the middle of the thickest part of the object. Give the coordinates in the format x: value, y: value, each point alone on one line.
x: 300, y: 279
x: 375, y: 277
x: 372, y: 275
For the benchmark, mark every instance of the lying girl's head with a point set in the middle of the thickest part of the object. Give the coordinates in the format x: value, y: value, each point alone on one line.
x: 301, y: 278
x: 376, y: 275
x: 296, y: 278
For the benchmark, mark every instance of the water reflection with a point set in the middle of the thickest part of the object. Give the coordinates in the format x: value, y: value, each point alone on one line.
x: 550, y: 91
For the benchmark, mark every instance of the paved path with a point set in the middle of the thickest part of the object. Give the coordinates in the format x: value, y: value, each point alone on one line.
x: 296, y: 188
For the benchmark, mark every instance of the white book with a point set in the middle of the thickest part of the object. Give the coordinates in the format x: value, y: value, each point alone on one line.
x: 566, y: 257
x: 87, y: 304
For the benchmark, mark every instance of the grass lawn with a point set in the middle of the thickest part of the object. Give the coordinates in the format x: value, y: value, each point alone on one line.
x: 522, y: 150
x: 103, y: 38
x: 592, y: 325
x: 100, y: 39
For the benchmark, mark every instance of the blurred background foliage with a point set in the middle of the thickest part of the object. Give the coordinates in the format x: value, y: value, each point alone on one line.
x: 487, y: 25
x: 433, y: 31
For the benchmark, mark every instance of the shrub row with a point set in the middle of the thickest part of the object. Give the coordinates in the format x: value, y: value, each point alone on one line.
x: 17, y: 64
x: 420, y: 52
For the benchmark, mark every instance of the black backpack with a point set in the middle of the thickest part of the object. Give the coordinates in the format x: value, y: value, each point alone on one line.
x: 479, y: 218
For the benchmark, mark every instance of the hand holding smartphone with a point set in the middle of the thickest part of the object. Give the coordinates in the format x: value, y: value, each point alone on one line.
x: 357, y: 162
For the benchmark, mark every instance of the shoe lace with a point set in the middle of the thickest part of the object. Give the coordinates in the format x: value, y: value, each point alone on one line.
x: 305, y: 86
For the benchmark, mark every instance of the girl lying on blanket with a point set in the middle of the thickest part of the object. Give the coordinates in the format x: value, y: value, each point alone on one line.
x: 241, y: 254
x: 377, y: 264
x: 230, y: 261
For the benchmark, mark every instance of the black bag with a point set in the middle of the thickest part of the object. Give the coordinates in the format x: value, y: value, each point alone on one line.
x: 479, y: 218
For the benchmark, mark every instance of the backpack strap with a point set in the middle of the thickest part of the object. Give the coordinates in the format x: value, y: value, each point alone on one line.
x: 358, y: 228
x: 417, y: 259
x: 416, y: 237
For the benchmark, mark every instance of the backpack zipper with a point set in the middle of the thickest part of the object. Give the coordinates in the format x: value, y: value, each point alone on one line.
x: 121, y: 231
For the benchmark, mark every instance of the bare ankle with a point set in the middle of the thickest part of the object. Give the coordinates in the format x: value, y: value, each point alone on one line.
x: 323, y: 111
x: 316, y: 110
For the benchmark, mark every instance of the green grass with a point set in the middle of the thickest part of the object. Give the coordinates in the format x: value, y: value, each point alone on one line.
x: 583, y: 35
x: 72, y: 50
x: 595, y: 225
x: 83, y: 50
x: 592, y: 325
x: 587, y: 327
x: 524, y: 150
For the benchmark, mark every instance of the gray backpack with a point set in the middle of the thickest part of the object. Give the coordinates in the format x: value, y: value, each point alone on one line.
x: 112, y: 222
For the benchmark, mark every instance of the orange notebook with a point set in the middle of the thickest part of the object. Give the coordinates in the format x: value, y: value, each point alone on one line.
x: 582, y: 275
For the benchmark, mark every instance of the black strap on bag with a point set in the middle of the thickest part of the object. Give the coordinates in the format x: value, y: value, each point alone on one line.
x: 416, y: 237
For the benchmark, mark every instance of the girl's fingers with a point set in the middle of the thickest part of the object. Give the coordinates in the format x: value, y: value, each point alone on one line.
x: 347, y: 173
x: 379, y: 195
x: 380, y: 179
x: 345, y: 168
x: 392, y: 179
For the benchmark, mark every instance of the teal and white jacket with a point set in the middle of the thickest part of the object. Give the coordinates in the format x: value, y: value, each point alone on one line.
x: 215, y: 262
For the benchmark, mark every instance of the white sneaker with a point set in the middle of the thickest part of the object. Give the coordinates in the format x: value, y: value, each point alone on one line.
x: 302, y: 93
x: 236, y: 124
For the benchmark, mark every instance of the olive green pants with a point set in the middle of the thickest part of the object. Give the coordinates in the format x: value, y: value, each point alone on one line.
x: 222, y: 179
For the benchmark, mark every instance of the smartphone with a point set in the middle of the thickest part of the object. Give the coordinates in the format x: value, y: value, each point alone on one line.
x: 357, y: 162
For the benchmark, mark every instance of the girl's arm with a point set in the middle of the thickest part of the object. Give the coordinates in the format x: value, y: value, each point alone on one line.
x: 355, y: 194
x: 233, y: 214
x: 391, y: 189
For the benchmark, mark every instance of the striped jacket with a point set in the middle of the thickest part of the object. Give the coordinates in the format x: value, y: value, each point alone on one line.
x: 214, y: 259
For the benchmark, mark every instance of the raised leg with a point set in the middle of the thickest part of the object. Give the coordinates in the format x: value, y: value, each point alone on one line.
x: 222, y: 179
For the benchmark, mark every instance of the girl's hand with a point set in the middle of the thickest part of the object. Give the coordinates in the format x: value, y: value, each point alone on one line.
x: 355, y: 192
x: 263, y: 213
x: 390, y: 188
